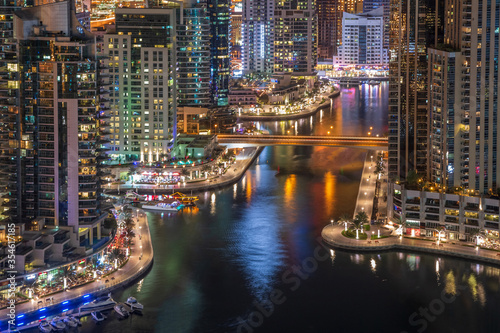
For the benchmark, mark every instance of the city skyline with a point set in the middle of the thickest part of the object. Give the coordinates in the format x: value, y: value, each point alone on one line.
x: 225, y: 166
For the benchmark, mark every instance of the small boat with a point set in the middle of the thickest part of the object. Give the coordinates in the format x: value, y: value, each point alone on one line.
x: 133, y: 304
x: 121, y: 310
x: 57, y: 324
x: 373, y: 82
x: 100, y: 303
x: 131, y: 195
x: 164, y: 206
x: 45, y: 326
x: 71, y: 321
x: 98, y: 316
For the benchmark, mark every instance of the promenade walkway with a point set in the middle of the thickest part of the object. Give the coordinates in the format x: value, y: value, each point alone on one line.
x: 139, y: 261
x: 366, y: 192
x: 268, y: 114
x: 233, y: 174
x: 332, y: 235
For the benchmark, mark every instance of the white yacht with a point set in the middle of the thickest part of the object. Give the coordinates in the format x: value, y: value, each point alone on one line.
x: 121, y: 310
x: 45, y: 326
x: 71, y: 321
x: 133, y: 304
x: 98, y: 316
x: 57, y: 324
x: 163, y: 206
x: 100, y: 303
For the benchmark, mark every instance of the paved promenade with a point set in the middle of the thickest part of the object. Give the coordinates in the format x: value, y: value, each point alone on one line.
x: 306, y: 112
x: 130, y: 271
x: 366, y: 192
x: 332, y: 235
x: 233, y: 174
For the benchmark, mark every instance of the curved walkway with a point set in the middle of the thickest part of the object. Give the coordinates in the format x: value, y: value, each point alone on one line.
x: 332, y: 236
x: 140, y: 260
x: 232, y: 175
x: 303, y: 114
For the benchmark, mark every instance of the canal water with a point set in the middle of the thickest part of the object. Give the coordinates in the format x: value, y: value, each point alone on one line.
x: 249, y: 259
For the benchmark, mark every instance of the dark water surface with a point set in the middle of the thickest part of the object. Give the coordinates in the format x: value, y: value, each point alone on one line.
x: 217, y: 266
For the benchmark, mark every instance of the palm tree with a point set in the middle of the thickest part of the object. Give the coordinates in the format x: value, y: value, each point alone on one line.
x: 345, y: 218
x: 360, y: 219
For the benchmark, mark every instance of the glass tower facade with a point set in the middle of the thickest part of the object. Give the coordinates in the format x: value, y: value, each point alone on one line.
x: 193, y: 58
x: 218, y: 11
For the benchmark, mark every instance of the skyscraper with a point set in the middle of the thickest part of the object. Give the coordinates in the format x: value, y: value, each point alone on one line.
x: 369, y: 5
x: 460, y: 171
x: 295, y: 37
x: 258, y: 36
x: 463, y: 99
x: 413, y: 29
x: 326, y: 28
x: 193, y: 57
x: 10, y: 135
x: 56, y: 130
x: 142, y: 66
x: 339, y: 7
x: 218, y: 12
x: 362, y: 39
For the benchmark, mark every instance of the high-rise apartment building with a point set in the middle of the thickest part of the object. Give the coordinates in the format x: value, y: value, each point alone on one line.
x: 258, y: 36
x: 453, y: 193
x: 218, y: 12
x: 413, y: 30
x: 463, y: 96
x: 236, y: 37
x: 339, y: 7
x: 295, y: 38
x: 54, y: 144
x: 369, y: 5
x: 326, y: 28
x: 10, y: 116
x: 363, y: 39
x: 193, y: 57
x: 142, y: 67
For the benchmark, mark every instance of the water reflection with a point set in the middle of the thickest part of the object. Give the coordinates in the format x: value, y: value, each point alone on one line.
x: 450, y: 287
x: 413, y: 262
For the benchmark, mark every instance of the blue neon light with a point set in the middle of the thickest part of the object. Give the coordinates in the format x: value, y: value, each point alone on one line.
x: 42, y: 317
x: 20, y: 316
x: 42, y: 309
x: 65, y: 302
x: 86, y: 296
x: 20, y: 324
x: 65, y: 310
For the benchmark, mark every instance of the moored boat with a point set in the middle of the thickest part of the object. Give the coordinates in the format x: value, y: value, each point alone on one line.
x: 134, y: 304
x: 100, y: 303
x: 163, y: 206
x: 45, y: 326
x: 121, y: 310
